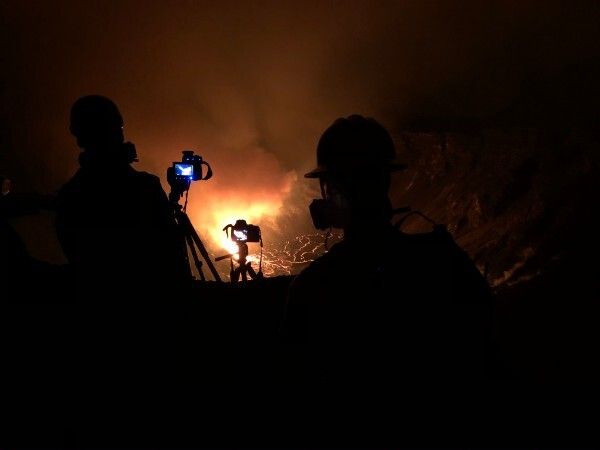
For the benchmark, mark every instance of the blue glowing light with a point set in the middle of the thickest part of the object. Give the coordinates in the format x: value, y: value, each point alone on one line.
x: 184, y: 170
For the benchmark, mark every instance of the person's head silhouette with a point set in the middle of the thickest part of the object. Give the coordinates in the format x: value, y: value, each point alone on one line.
x: 98, y: 126
x: 355, y: 157
x: 96, y: 123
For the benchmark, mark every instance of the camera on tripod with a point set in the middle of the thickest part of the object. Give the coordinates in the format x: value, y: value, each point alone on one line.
x: 189, y: 169
x: 180, y: 176
x: 244, y: 232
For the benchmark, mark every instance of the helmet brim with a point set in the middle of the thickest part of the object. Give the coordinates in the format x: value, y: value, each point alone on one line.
x: 317, y: 172
x: 320, y: 171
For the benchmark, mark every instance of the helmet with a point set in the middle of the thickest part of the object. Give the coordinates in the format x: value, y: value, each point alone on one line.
x: 93, y: 117
x: 354, y: 144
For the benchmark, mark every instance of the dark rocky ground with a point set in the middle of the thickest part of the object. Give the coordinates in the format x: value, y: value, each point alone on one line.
x: 190, y: 373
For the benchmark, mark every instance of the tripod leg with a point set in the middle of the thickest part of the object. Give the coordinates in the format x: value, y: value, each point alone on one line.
x: 197, y: 261
x: 184, y: 221
x: 235, y: 275
x: 206, y: 256
x: 251, y: 271
x: 184, y: 251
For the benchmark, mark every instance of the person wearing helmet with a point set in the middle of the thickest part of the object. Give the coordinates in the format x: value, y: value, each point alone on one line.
x: 114, y: 223
x: 380, y: 305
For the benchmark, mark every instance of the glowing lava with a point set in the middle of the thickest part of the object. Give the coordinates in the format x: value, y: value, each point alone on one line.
x: 218, y: 217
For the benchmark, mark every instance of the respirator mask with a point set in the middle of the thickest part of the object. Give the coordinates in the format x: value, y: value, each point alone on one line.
x: 332, y: 210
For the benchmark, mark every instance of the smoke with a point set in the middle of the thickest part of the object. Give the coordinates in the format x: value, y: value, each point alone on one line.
x: 251, y: 85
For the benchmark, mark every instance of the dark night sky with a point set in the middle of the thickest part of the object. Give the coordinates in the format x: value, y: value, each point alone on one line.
x: 251, y: 84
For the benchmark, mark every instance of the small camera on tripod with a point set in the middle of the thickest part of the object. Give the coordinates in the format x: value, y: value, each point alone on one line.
x: 241, y: 233
x: 190, y: 168
x: 244, y: 232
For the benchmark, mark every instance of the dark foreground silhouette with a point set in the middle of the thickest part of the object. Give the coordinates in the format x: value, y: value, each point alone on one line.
x: 115, y: 224
x: 203, y: 370
x: 417, y: 311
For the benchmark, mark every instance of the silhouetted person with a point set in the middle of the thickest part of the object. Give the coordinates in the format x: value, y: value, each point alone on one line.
x: 115, y: 223
x: 381, y: 306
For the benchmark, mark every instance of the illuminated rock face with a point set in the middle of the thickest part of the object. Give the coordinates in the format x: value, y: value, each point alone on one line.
x: 518, y: 200
x: 522, y: 202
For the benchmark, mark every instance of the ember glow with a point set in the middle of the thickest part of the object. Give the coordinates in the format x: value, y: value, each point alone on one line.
x: 255, y: 189
x: 249, y: 183
x: 227, y: 214
x: 286, y: 251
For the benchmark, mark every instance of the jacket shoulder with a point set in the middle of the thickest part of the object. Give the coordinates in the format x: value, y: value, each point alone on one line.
x: 320, y: 269
x: 146, y: 178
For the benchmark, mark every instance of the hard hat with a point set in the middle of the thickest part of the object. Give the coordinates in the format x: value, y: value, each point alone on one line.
x: 352, y: 144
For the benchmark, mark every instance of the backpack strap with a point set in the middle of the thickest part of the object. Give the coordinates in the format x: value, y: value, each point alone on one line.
x: 435, y: 225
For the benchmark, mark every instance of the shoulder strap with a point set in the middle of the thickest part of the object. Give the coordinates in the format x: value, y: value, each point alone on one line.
x: 400, y: 222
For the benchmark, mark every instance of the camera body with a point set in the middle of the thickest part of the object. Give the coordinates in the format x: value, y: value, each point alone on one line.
x: 190, y: 168
x: 245, y: 232
x: 181, y: 174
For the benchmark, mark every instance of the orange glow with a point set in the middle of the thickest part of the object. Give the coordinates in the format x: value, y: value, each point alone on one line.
x: 218, y: 216
x: 254, y: 188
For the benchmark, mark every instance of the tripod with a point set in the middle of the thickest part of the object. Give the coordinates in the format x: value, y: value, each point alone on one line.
x: 192, y: 240
x: 244, y: 267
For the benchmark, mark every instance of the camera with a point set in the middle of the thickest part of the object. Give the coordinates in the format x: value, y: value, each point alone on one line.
x: 244, y: 232
x: 181, y: 174
x: 190, y: 168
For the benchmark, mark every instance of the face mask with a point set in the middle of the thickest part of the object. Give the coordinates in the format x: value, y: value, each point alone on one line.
x: 331, y: 211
